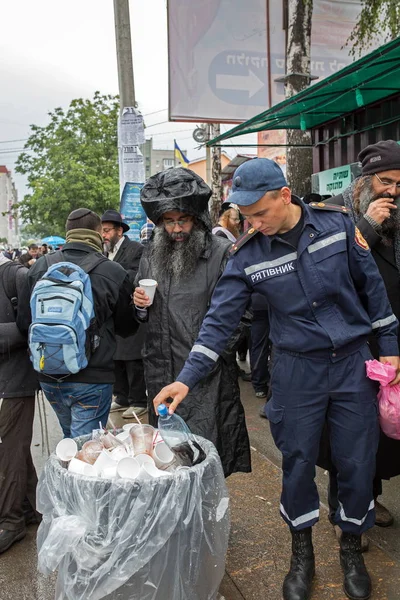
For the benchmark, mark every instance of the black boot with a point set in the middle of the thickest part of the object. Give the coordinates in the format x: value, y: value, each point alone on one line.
x: 298, y: 582
x: 357, y: 582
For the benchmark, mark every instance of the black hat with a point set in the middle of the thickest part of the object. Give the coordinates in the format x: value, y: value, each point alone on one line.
x: 176, y: 189
x: 383, y: 156
x: 113, y: 216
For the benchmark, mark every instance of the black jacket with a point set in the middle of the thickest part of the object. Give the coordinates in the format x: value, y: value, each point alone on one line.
x: 128, y: 256
x: 386, y: 263
x: 17, y: 377
x: 388, y: 456
x: 212, y: 408
x: 112, y: 291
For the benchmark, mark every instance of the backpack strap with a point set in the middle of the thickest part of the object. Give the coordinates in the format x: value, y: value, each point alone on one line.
x: 89, y: 263
x: 9, y: 281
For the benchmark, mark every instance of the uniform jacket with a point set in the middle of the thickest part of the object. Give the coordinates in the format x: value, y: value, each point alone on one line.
x: 213, y: 408
x: 326, y: 295
x: 17, y: 377
x: 112, y: 289
x: 128, y: 256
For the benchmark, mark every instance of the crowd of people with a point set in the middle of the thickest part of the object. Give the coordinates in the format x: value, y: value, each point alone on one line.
x: 313, y: 288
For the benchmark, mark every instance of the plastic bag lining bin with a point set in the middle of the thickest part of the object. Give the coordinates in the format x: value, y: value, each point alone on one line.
x: 147, y: 539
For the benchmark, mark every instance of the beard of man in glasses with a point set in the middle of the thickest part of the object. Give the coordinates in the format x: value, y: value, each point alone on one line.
x: 177, y: 245
x: 373, y: 203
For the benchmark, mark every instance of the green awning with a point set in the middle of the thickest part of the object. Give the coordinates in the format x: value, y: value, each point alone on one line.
x: 367, y: 80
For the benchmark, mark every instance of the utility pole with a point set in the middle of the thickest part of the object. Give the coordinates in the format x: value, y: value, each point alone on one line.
x: 208, y: 155
x: 130, y: 127
x: 216, y: 184
x: 298, y: 77
x: 124, y: 54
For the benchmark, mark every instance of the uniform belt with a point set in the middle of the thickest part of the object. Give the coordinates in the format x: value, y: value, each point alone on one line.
x: 328, y: 354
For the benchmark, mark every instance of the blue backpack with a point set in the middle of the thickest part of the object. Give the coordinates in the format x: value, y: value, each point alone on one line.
x: 63, y: 331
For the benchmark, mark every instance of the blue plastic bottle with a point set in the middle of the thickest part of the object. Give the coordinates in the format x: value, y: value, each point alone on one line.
x: 177, y: 435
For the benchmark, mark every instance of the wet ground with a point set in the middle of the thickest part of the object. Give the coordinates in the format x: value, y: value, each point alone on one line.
x: 259, y: 544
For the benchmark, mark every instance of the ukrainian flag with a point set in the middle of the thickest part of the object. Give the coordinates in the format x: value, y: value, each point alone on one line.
x: 180, y: 156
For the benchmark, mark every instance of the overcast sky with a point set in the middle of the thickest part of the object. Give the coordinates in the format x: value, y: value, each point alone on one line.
x: 53, y: 51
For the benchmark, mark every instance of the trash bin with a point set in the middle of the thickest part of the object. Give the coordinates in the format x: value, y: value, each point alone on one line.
x: 143, y: 539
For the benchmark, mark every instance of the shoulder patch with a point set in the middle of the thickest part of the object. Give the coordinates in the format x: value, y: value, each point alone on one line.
x: 326, y: 206
x: 242, y: 240
x: 360, y: 240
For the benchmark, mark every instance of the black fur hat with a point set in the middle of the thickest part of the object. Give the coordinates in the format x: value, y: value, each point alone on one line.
x: 176, y: 189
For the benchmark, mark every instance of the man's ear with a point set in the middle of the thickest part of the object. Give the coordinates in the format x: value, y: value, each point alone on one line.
x: 286, y: 195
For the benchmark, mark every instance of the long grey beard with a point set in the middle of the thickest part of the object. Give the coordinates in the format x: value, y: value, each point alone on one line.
x: 364, y: 195
x: 178, y: 259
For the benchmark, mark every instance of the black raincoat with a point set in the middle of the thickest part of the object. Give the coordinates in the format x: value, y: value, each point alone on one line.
x: 213, y: 408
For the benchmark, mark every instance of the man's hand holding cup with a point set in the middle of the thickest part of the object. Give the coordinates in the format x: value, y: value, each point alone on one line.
x: 143, y: 296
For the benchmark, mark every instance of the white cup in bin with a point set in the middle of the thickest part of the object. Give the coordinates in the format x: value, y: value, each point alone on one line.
x: 163, y: 457
x: 103, y: 461
x: 144, y: 458
x: 149, y: 286
x: 128, y: 468
x: 66, y: 450
x: 109, y: 472
x: 152, y: 470
x: 118, y: 453
x: 78, y: 466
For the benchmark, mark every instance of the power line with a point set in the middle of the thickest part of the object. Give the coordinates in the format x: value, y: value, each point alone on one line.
x: 155, y: 112
x: 12, y: 141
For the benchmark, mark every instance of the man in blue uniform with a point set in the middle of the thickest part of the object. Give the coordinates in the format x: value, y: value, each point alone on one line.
x: 325, y: 296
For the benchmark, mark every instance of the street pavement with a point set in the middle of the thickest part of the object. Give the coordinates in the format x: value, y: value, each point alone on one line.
x: 259, y: 549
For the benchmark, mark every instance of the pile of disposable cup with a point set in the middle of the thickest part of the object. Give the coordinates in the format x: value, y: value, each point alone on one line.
x: 137, y: 451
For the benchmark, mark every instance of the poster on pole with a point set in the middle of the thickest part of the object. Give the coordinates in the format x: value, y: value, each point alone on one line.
x: 132, y: 211
x: 131, y: 169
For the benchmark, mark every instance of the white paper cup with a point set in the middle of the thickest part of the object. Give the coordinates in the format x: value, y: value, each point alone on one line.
x: 123, y: 436
x: 163, y: 457
x: 66, y: 449
x: 149, y: 286
x: 103, y: 461
x: 118, y: 453
x: 144, y: 458
x: 128, y: 468
x: 153, y: 471
x: 78, y: 466
x: 109, y: 472
x: 127, y: 427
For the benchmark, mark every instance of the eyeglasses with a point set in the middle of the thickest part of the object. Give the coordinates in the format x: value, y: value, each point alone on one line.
x: 180, y: 223
x: 388, y: 182
x: 108, y: 229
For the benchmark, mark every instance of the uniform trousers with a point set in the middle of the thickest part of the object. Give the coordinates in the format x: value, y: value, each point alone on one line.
x: 307, y: 390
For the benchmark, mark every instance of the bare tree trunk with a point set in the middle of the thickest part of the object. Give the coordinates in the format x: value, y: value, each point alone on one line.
x: 216, y: 184
x: 298, y: 51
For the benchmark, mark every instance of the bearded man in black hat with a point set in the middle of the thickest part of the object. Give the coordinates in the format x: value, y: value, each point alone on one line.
x: 373, y: 202
x: 129, y: 387
x: 186, y: 261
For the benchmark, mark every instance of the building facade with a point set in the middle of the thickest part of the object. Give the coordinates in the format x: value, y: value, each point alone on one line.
x: 8, y: 198
x: 156, y: 160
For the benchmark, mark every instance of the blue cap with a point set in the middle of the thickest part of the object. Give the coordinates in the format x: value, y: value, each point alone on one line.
x: 162, y: 410
x: 255, y: 178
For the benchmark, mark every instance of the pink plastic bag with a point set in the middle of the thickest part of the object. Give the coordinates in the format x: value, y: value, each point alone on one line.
x: 388, y: 397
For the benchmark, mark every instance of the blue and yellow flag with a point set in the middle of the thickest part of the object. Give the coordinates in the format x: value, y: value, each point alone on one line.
x: 180, y: 156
